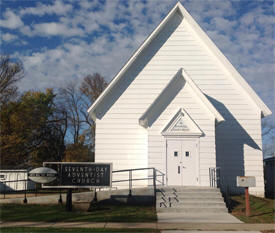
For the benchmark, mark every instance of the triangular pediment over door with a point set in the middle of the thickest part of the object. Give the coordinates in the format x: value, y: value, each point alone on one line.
x: 182, y: 125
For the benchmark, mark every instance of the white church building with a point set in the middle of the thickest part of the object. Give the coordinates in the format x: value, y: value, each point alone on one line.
x: 179, y: 105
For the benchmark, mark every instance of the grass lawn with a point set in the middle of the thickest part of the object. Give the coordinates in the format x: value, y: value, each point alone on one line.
x: 100, y: 213
x: 262, y: 209
x: 71, y: 230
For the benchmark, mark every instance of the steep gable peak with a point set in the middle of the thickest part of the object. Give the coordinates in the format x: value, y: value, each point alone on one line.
x: 217, y: 54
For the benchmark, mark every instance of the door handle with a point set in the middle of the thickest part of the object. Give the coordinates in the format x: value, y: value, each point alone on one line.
x: 178, y: 169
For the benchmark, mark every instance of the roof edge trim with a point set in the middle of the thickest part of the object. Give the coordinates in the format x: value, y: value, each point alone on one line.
x: 204, y: 99
x: 225, y: 62
x: 143, y: 120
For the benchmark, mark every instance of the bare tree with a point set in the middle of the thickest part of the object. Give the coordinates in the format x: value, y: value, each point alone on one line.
x: 268, y: 134
x: 76, y: 100
x: 267, y: 128
x: 72, y: 102
x: 10, y: 74
x: 91, y: 87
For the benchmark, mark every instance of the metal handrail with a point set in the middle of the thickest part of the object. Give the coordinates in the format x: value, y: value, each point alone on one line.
x: 219, y: 180
x: 10, y: 181
x: 151, y: 177
x: 116, y: 181
x: 214, y: 177
x: 156, y: 173
x: 136, y: 169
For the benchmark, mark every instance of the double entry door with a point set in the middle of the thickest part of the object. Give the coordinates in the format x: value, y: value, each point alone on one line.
x: 182, y: 159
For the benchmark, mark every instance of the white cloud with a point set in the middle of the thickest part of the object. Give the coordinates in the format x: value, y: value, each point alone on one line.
x: 73, y: 60
x: 11, y: 20
x: 53, y: 29
x: 7, y: 37
x: 58, y: 8
x: 223, y: 25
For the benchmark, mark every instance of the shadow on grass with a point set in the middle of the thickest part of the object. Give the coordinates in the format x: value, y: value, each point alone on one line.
x: 262, y: 209
x: 256, y: 215
x: 72, y: 230
x: 233, y: 204
x: 105, y: 211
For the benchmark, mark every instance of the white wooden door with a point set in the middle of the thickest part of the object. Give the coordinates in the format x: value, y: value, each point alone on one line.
x: 174, y: 162
x: 182, y: 157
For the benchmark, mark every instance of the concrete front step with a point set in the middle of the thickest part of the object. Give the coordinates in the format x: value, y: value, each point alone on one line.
x: 192, y: 200
x: 192, y: 189
x: 189, y: 191
x: 192, y: 210
x: 189, y: 205
x: 185, y: 187
x: 190, y: 194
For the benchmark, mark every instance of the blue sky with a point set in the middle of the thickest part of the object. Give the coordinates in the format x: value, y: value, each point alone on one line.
x: 64, y: 40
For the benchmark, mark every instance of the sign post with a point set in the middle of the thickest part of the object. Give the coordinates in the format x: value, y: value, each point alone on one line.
x: 69, y: 202
x: 247, y: 203
x: 246, y: 182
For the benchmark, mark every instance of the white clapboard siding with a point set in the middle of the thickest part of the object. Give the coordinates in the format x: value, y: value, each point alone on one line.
x: 235, y: 144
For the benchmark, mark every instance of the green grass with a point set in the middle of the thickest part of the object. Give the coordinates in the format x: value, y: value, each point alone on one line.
x: 70, y: 230
x: 262, y: 209
x: 99, y: 213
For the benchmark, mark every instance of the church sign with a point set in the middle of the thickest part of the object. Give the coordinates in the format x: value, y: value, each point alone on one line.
x: 180, y: 126
x: 42, y: 175
x: 80, y: 174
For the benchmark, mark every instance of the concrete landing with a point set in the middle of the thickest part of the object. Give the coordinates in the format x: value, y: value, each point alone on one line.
x: 197, y: 218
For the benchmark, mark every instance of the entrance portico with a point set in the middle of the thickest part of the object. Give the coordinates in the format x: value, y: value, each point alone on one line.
x: 182, y: 147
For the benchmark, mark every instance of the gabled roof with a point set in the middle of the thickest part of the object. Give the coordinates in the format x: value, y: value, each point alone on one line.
x: 181, y: 78
x: 234, y: 74
x: 182, y: 125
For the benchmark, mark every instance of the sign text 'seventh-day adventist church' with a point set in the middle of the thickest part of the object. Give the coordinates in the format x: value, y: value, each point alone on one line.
x: 80, y: 175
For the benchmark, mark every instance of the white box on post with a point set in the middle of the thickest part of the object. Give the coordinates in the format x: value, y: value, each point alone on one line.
x: 246, y: 181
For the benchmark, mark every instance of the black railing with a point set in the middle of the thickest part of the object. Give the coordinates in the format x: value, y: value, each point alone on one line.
x: 154, y: 177
x: 214, y: 177
x: 4, y: 188
x: 219, y: 180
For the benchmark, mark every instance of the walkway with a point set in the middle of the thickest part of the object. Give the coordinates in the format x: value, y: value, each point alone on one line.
x: 160, y: 226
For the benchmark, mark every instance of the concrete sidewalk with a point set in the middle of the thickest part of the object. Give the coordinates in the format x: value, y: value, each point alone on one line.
x: 197, y: 218
x: 155, y: 225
